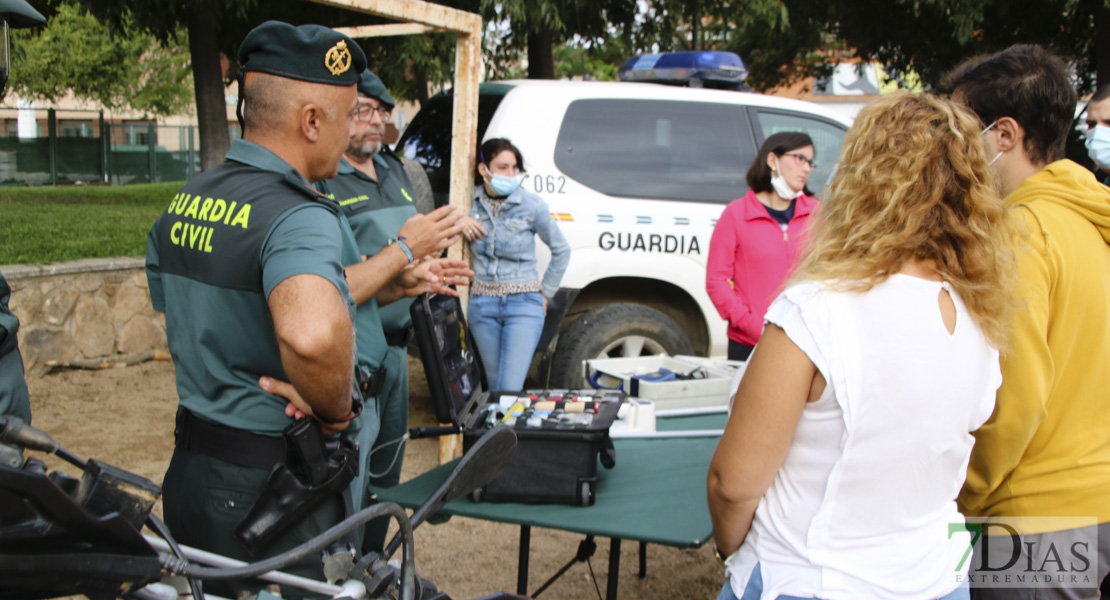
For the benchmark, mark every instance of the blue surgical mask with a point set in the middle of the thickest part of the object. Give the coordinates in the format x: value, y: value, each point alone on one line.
x: 1098, y: 146
x: 502, y: 185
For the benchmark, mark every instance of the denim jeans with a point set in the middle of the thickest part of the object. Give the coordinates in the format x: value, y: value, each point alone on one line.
x: 754, y: 590
x: 506, y: 330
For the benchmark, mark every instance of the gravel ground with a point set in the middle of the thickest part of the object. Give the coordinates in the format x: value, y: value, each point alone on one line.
x: 125, y: 417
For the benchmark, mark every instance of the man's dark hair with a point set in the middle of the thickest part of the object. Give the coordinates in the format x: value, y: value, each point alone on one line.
x: 1026, y: 83
x: 759, y: 174
x: 1100, y: 94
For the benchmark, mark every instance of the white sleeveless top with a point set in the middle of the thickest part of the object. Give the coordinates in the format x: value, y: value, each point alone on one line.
x: 862, y: 505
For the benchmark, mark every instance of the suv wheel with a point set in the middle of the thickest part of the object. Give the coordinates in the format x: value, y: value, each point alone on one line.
x: 423, y: 197
x: 614, y: 331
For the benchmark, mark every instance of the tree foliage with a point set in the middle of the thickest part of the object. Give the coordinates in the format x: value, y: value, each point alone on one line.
x: 214, y: 27
x: 539, y: 26
x: 409, y: 64
x: 777, y: 39
x: 601, y: 36
x: 782, y: 41
x: 930, y: 37
x: 598, y: 63
x: 164, y: 19
x: 74, y: 53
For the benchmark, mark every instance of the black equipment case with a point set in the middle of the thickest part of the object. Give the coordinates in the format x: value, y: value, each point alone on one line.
x: 557, y: 453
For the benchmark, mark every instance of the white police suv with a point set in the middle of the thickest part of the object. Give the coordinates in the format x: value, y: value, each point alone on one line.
x: 636, y: 175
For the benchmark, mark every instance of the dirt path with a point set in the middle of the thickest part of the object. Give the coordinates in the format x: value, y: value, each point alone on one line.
x: 125, y: 417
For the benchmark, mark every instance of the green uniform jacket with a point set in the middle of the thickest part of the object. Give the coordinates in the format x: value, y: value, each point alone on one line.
x: 226, y: 240
x: 13, y: 387
x: 376, y: 211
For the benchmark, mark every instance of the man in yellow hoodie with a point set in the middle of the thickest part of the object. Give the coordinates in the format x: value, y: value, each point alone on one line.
x: 1041, y: 464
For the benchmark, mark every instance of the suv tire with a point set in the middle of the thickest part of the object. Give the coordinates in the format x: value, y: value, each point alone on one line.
x: 614, y: 331
x: 423, y: 197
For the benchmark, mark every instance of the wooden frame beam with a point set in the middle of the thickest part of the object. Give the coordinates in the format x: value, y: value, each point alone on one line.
x: 386, y: 30
x: 415, y: 11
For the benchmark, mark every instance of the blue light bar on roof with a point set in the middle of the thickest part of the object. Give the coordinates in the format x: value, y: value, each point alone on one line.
x: 685, y: 68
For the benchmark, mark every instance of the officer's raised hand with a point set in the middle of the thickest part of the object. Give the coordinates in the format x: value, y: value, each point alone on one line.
x: 430, y: 234
x: 435, y: 276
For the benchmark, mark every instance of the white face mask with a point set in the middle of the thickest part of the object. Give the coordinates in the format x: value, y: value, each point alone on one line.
x: 1098, y: 146
x: 782, y: 189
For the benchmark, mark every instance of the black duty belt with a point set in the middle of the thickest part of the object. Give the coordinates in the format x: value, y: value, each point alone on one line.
x: 370, y: 382
x: 235, y: 446
x: 401, y: 337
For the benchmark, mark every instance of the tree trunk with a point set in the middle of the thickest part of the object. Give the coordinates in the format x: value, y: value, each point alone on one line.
x: 1102, y: 45
x: 208, y: 82
x: 421, y: 76
x: 541, y: 60
x: 695, y: 22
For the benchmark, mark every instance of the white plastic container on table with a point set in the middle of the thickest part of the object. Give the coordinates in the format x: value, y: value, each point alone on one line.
x: 708, y: 385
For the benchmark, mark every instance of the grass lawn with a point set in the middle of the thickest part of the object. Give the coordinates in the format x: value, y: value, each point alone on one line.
x: 40, y: 225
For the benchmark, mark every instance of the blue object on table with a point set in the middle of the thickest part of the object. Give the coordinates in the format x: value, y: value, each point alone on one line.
x: 594, y: 380
x: 656, y: 377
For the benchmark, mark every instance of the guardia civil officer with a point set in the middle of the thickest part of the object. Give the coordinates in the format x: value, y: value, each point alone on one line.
x: 375, y: 195
x: 381, y: 276
x: 247, y: 265
x: 14, y: 399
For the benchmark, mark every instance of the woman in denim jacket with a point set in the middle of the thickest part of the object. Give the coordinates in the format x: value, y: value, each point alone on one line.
x: 508, y: 300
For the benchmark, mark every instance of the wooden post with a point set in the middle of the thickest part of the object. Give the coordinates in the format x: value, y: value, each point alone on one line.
x: 464, y: 148
x: 464, y: 134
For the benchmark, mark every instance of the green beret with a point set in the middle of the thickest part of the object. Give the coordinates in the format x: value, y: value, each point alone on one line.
x: 312, y: 53
x: 20, y: 14
x: 371, y: 86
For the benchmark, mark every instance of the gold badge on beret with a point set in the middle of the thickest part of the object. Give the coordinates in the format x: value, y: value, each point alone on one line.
x: 338, y: 58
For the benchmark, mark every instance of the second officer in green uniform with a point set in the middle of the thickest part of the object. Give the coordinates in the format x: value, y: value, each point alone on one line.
x: 375, y: 195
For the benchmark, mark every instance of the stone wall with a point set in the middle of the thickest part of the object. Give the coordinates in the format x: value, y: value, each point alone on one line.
x: 83, y: 310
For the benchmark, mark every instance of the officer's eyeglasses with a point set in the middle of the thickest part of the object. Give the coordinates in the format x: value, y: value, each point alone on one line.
x: 365, y: 113
x: 802, y: 159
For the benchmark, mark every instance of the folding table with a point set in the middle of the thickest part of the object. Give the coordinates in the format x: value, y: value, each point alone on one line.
x: 654, y: 494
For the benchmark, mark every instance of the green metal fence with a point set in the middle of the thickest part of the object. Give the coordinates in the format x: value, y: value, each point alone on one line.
x: 92, y: 150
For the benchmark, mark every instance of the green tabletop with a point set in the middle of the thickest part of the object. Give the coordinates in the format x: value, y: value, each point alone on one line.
x: 655, y: 493
x: 702, y: 422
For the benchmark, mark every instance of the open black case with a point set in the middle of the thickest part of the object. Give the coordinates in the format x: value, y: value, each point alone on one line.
x: 556, y: 456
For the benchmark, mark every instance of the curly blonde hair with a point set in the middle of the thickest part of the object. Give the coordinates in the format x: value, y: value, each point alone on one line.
x: 913, y: 183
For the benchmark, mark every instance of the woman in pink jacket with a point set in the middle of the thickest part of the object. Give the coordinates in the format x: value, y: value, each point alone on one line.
x: 758, y: 239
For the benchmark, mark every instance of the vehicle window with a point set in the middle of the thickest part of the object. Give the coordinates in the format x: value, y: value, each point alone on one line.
x: 827, y: 138
x: 667, y: 150
x: 428, y: 138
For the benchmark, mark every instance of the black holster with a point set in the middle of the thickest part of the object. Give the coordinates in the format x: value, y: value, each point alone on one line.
x: 309, y: 476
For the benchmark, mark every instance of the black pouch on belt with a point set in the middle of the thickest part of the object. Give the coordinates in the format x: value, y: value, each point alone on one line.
x: 311, y: 475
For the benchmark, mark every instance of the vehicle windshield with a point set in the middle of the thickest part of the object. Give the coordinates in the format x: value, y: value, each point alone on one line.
x: 427, y: 139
